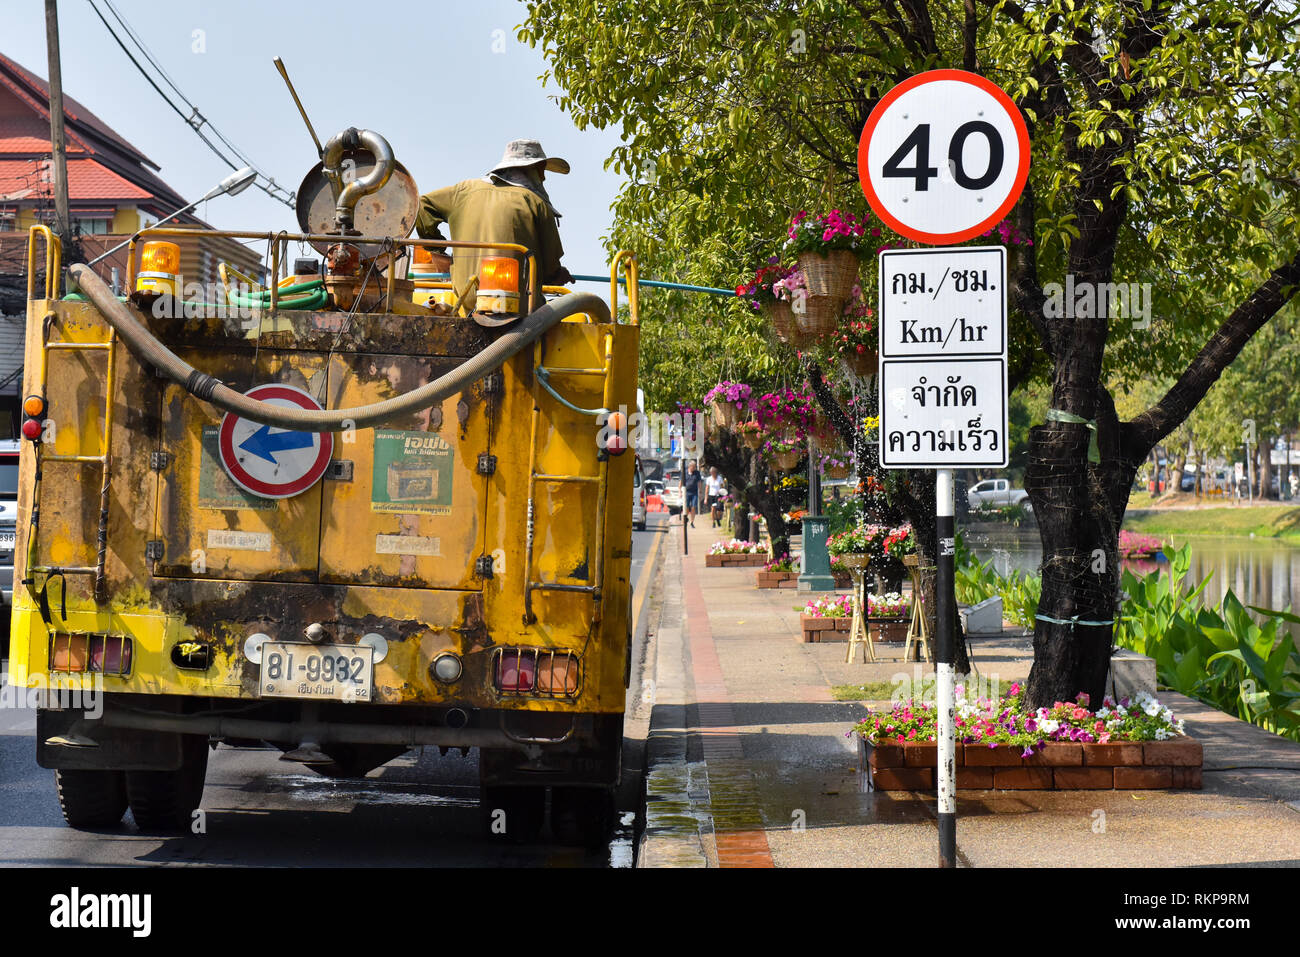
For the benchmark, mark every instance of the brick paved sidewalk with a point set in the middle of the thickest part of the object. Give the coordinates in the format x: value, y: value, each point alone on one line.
x: 749, y: 765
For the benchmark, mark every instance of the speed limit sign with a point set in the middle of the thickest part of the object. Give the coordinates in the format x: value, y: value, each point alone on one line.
x: 943, y: 157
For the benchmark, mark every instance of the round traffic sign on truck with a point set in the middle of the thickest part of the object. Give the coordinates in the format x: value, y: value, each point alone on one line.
x: 271, y: 462
x: 943, y: 157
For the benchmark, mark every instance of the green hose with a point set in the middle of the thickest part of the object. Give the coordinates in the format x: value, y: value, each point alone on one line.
x: 304, y: 295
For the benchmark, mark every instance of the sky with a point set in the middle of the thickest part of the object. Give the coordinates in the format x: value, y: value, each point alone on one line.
x: 445, y: 81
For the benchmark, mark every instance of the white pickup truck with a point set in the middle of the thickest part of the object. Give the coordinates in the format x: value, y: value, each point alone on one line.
x: 994, y: 492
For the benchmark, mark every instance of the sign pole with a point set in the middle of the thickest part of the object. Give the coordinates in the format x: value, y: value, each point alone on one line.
x: 944, y: 653
x: 943, y: 315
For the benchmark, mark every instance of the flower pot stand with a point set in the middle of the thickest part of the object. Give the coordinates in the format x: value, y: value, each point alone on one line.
x: 859, y: 633
x: 918, y: 631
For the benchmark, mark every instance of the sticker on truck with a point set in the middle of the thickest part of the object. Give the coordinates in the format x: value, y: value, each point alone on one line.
x: 412, y: 473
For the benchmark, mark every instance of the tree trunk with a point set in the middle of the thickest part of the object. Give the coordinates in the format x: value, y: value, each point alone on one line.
x: 1080, y: 570
x: 1265, y: 449
x: 1176, y: 470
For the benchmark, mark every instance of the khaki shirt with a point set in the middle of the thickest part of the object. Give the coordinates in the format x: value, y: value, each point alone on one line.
x: 477, y: 211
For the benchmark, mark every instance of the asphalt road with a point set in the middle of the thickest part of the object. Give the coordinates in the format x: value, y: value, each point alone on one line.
x: 419, y: 810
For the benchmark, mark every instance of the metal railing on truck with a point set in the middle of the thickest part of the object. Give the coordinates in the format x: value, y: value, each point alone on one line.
x: 624, y: 261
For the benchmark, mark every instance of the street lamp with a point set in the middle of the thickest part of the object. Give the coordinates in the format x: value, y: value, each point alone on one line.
x: 236, y: 182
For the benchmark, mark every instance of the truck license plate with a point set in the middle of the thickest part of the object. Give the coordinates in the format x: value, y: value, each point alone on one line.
x: 334, y: 672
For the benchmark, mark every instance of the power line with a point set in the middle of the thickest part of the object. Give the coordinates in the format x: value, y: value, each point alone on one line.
x: 195, y: 120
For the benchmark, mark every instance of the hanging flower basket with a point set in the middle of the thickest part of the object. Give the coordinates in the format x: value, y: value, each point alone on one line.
x: 912, y: 561
x: 819, y: 316
x: 863, y: 364
x: 830, y: 274
x: 725, y: 414
x: 781, y: 316
x: 836, y: 472
x: 751, y: 433
x: 786, y: 461
x: 855, y: 559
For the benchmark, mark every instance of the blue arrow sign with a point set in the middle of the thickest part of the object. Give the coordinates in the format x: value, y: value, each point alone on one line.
x: 264, y: 445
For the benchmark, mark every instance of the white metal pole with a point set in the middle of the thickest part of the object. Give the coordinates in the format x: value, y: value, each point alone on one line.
x: 946, y: 772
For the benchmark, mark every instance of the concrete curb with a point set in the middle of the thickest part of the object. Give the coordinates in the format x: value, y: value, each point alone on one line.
x: 678, y: 826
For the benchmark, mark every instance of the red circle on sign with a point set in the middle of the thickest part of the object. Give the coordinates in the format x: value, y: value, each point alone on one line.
x: 250, y: 483
x: 1022, y: 169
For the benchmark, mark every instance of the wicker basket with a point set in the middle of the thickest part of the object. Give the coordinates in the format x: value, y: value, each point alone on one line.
x: 820, y: 316
x: 753, y: 439
x: 725, y: 414
x: 831, y: 275
x: 781, y: 316
x: 912, y: 561
x: 836, y: 472
x: 855, y: 559
x: 863, y: 364
x: 786, y: 461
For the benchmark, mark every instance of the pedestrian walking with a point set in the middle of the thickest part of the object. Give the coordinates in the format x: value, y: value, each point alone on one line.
x: 714, y: 486
x: 691, y: 486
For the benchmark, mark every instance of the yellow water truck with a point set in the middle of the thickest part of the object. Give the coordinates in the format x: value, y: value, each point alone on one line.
x: 342, y: 530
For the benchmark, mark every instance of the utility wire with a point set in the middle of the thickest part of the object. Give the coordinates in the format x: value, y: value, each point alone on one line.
x: 195, y: 120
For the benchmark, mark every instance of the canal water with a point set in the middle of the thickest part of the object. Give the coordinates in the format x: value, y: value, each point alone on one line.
x: 1258, y: 571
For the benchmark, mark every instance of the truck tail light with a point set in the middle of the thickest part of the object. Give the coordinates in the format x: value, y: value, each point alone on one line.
x: 102, y: 654
x: 34, y: 409
x: 538, y: 672
x: 614, y: 434
x: 516, y: 671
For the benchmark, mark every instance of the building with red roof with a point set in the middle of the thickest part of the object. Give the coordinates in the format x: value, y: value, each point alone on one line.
x: 113, y: 191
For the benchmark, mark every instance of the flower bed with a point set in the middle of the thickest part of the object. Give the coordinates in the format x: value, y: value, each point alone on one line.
x: 1133, y: 744
x: 1133, y: 545
x: 830, y: 619
x: 780, y: 572
x: 736, y: 553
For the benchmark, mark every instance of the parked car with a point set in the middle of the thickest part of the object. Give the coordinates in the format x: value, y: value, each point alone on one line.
x: 994, y: 492
x: 638, y: 497
x: 8, y: 529
x: 672, y: 495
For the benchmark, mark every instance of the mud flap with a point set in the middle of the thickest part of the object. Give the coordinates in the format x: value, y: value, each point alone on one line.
x: 120, y: 749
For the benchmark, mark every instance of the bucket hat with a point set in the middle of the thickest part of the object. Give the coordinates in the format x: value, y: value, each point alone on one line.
x: 530, y: 153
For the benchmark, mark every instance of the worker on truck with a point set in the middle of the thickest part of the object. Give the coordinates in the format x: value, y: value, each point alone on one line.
x: 508, y: 205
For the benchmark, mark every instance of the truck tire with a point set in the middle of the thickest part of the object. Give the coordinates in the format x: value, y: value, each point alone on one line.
x: 91, y: 799
x: 164, y: 801
x: 513, y: 814
x: 582, y: 817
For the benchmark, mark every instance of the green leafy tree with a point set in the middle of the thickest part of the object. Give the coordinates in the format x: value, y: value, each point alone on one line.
x: 1164, y: 139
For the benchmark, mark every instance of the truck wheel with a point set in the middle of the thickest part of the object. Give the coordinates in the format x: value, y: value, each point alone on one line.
x: 582, y: 817
x: 91, y: 798
x: 513, y: 814
x: 164, y: 801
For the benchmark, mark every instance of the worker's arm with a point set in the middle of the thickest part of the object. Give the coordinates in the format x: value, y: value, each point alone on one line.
x: 550, y: 250
x: 435, y: 209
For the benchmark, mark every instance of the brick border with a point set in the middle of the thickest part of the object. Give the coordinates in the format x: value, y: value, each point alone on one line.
x: 737, y: 560
x: 766, y: 579
x: 812, y: 630
x: 1174, y: 764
